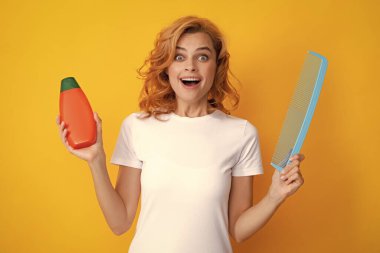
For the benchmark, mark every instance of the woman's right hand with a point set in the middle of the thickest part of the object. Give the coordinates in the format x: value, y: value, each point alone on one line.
x: 91, y: 153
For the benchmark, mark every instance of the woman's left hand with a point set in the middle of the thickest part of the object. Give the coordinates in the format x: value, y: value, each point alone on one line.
x: 287, y: 182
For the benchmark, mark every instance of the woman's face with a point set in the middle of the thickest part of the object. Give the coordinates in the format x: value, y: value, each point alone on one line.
x: 192, y: 72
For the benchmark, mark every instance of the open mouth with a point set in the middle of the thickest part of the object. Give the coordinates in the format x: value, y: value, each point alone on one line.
x: 190, y: 81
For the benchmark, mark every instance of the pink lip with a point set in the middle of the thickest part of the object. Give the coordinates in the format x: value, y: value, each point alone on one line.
x: 190, y: 87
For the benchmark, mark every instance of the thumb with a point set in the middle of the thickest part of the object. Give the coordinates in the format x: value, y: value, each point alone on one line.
x: 98, y: 121
x: 276, y: 174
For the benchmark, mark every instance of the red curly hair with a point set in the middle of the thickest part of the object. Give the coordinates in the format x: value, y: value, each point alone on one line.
x: 157, y: 96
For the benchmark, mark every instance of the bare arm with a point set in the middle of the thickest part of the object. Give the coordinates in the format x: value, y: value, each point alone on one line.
x: 119, y: 205
x: 254, y: 218
x: 128, y: 186
x: 245, y: 219
x: 240, y: 200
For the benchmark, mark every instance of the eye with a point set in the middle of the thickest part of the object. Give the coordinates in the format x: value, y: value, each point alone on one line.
x: 179, y: 57
x: 203, y: 58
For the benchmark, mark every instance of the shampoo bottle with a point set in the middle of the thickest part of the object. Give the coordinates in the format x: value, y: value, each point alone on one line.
x: 75, y: 111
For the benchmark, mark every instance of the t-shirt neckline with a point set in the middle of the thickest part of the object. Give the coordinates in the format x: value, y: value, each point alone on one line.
x: 207, y: 116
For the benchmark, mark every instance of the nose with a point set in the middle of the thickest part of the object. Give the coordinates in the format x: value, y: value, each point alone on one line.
x: 190, y: 66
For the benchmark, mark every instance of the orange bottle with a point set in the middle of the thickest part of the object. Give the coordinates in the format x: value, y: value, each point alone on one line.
x: 76, y: 112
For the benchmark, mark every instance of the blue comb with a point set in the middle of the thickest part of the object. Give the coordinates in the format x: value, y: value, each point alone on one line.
x: 301, y: 110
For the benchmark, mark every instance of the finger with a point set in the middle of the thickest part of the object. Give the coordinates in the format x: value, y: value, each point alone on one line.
x: 98, y: 128
x: 57, y: 120
x: 65, y: 132
x: 65, y: 141
x: 61, y: 126
x: 276, y: 174
x: 293, y: 171
x: 69, y: 147
x: 98, y: 123
x: 97, y: 118
x: 284, y: 170
x: 298, y: 180
x: 292, y: 178
x: 62, y: 129
x: 299, y: 157
x: 63, y: 135
x: 293, y: 164
x: 289, y: 167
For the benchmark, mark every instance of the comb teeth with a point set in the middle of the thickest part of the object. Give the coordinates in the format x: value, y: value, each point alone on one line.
x: 300, y: 110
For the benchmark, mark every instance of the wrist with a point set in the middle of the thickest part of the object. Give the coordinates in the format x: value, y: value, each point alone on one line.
x: 97, y: 159
x: 275, y: 199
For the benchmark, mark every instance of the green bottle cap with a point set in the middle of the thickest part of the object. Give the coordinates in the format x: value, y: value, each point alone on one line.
x: 69, y: 83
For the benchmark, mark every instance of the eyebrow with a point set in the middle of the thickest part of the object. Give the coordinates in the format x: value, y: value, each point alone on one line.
x: 198, y: 49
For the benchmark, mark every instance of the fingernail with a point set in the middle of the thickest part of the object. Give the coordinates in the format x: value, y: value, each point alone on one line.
x: 283, y: 177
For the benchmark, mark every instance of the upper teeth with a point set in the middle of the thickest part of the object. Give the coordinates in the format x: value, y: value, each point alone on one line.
x: 190, y: 79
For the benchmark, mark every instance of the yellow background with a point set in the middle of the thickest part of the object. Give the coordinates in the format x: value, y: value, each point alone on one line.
x: 48, y: 203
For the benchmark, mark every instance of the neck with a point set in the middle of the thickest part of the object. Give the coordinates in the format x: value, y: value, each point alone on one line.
x: 193, y: 110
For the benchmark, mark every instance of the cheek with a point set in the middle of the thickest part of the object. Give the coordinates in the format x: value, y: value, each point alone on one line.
x: 210, y: 72
x: 173, y: 71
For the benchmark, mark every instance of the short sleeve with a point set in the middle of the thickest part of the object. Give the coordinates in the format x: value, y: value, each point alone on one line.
x: 249, y: 162
x: 124, y: 152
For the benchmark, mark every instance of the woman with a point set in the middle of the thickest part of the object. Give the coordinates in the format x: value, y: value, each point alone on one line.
x: 191, y: 160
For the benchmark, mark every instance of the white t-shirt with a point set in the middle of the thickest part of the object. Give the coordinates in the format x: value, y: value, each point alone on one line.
x: 186, y: 164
